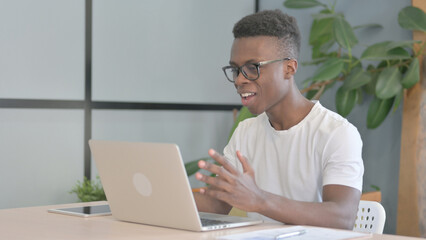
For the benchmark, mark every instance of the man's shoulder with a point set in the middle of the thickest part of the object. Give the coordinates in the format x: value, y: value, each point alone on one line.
x: 331, y: 123
x: 327, y: 118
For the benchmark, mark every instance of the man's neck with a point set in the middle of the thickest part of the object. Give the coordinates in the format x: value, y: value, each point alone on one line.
x: 291, y: 112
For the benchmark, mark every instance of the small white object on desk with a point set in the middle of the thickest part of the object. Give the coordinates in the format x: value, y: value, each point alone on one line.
x: 298, y: 233
x: 290, y: 234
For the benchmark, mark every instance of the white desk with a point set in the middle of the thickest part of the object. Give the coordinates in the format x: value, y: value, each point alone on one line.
x: 37, y: 223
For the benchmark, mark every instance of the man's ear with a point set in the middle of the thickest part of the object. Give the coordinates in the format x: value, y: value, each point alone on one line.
x: 291, y: 68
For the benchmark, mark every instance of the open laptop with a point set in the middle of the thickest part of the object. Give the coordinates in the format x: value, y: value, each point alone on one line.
x: 147, y: 183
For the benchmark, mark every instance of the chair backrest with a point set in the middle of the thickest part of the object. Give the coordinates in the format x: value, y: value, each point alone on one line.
x: 370, y: 218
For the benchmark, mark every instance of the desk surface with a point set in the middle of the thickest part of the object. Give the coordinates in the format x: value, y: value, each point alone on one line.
x: 37, y: 223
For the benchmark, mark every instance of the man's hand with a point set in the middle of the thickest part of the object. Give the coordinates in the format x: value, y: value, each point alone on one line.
x: 230, y: 186
x: 338, y: 209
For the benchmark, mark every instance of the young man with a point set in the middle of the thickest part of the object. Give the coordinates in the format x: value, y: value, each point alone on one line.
x: 297, y: 162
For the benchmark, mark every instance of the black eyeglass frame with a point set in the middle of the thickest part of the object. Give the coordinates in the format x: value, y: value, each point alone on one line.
x: 257, y: 65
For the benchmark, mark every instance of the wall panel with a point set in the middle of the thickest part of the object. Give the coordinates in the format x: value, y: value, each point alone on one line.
x: 42, y: 49
x: 41, y: 156
x: 164, y: 51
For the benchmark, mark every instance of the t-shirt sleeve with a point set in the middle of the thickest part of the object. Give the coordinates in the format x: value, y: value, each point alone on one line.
x: 343, y: 158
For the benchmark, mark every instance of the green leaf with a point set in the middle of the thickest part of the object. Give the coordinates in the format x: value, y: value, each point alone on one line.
x: 388, y: 83
x: 302, y: 3
x: 311, y: 94
x: 398, y: 54
x: 320, y: 28
x: 370, y: 87
x: 307, y: 81
x: 327, y: 45
x: 345, y: 101
x: 371, y: 25
x: 329, y: 70
x: 398, y: 98
x: 402, y: 44
x: 379, y: 51
x: 343, y: 33
x: 349, y: 63
x: 321, y: 16
x: 412, y: 18
x: 89, y: 190
x: 377, y: 188
x: 321, y: 36
x: 360, y: 96
x: 317, y: 51
x: 192, y: 167
x: 314, y: 62
x: 412, y: 76
x: 356, y: 78
x: 377, y: 111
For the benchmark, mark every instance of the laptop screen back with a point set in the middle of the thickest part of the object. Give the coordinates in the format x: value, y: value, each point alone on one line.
x: 146, y: 183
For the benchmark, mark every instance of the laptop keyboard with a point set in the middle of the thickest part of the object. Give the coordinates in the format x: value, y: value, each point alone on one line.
x: 211, y: 222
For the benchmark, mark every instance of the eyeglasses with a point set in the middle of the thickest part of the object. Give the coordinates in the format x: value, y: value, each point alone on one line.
x: 250, y: 71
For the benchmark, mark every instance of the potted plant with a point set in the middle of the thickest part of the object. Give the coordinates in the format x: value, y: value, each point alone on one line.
x: 89, y: 190
x: 395, y: 68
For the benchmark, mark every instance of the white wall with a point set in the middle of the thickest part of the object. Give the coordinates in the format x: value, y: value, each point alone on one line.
x: 40, y: 156
x: 164, y: 51
x: 41, y: 57
x: 143, y: 51
x: 42, y: 49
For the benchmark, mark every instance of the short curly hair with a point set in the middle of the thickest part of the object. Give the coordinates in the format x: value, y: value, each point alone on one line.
x: 272, y: 23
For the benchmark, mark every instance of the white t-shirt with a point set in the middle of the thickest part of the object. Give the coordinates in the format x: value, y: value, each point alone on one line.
x: 324, y: 148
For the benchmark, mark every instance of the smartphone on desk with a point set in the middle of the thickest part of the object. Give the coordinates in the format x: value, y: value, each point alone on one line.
x: 84, y: 211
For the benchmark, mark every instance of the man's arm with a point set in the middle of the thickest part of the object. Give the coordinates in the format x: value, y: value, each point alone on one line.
x: 338, y: 209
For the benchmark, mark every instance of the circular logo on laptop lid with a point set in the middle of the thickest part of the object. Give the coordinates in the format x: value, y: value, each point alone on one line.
x: 142, y: 184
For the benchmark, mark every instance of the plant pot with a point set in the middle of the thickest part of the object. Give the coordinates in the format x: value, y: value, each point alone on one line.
x: 372, y: 196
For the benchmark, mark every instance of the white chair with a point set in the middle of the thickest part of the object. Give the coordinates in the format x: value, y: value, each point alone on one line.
x: 370, y: 218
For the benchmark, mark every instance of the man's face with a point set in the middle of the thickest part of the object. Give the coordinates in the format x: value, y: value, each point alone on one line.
x: 270, y: 89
